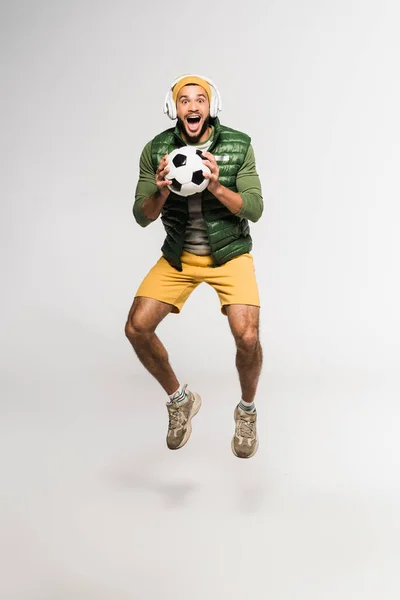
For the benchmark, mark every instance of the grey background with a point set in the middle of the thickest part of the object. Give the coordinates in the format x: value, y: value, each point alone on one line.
x: 92, y: 503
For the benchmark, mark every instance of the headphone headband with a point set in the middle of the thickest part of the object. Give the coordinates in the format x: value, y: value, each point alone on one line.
x: 215, y: 100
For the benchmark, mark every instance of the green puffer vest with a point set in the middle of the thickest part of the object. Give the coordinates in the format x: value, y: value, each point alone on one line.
x: 228, y: 234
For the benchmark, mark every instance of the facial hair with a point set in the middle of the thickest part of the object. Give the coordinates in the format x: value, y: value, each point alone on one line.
x: 194, y: 140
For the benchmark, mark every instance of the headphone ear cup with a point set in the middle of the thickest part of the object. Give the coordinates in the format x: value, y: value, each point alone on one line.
x: 173, y: 109
x: 213, y: 105
x: 170, y: 107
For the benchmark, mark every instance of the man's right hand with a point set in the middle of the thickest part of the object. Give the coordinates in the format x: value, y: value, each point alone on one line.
x: 162, y: 183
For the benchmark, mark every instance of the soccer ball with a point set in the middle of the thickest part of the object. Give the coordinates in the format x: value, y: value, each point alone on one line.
x: 186, y: 171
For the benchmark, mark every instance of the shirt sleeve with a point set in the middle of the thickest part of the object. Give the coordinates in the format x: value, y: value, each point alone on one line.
x: 249, y: 187
x: 146, y: 186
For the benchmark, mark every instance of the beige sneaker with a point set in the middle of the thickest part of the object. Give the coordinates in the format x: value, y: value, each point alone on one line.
x: 180, y: 420
x: 245, y: 440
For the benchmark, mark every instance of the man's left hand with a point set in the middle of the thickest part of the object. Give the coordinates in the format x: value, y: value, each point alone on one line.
x: 211, y: 163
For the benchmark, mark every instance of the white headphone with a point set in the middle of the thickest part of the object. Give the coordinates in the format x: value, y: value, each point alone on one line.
x: 215, y: 101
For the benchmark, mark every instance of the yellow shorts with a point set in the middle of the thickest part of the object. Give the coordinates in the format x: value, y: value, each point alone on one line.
x: 234, y: 281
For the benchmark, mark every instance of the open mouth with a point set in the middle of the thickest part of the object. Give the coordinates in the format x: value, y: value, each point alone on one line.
x: 193, y: 122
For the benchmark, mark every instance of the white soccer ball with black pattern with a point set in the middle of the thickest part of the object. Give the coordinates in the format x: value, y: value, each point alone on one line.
x: 186, y: 171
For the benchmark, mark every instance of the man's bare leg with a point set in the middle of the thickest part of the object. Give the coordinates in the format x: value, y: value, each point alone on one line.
x: 143, y: 319
x: 244, y: 323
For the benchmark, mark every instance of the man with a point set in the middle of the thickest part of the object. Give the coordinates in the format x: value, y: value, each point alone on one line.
x: 208, y: 240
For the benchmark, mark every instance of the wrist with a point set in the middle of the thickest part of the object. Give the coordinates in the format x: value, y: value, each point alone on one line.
x: 217, y: 189
x: 163, y: 193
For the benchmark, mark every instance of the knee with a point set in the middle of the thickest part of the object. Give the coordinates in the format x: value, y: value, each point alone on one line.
x: 247, y: 339
x: 135, y: 329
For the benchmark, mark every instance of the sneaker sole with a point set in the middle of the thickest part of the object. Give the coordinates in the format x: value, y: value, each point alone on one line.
x: 196, y: 408
x: 249, y: 456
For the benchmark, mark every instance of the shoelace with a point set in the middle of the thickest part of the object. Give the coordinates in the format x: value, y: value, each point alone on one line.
x: 245, y: 427
x: 176, y: 417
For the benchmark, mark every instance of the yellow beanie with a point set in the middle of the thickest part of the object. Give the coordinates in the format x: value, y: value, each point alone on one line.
x: 191, y: 79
